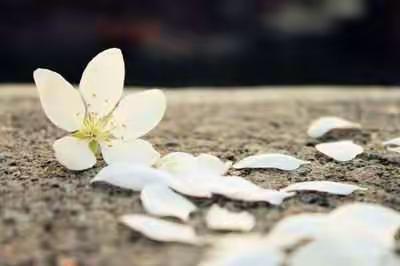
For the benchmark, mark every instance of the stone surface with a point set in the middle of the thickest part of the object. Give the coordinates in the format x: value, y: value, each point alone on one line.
x: 51, y: 216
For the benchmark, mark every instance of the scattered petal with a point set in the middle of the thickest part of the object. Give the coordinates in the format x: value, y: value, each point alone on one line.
x: 324, y: 125
x: 102, y: 82
x: 293, y: 229
x: 138, y: 113
x: 73, y: 153
x: 212, y: 165
x: 190, y: 186
x: 129, y: 176
x: 61, y: 103
x: 381, y: 221
x: 161, y: 230
x: 242, y: 250
x: 392, y: 142
x: 160, y: 200
x: 349, y: 250
x: 178, y: 163
x: 238, y: 188
x: 135, y: 151
x: 185, y: 164
x: 272, y: 160
x: 324, y: 186
x: 341, y: 151
x: 222, y: 219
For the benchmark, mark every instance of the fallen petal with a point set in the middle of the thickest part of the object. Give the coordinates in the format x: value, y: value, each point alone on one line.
x: 381, y: 221
x: 350, y: 250
x: 392, y: 142
x: 238, y: 188
x: 242, y: 250
x: 272, y: 160
x: 293, y: 229
x: 324, y: 186
x: 177, y: 163
x: 341, y: 151
x: 222, y: 219
x: 128, y: 176
x: 324, y: 125
x: 212, y: 165
x: 160, y: 200
x: 161, y: 230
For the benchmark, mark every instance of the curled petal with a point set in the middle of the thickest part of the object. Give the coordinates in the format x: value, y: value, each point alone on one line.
x: 271, y: 160
x: 129, y: 176
x: 161, y: 230
x: 324, y: 186
x: 212, y: 164
x: 131, y: 151
x: 138, y: 113
x: 324, y: 125
x: 341, y: 151
x: 60, y: 101
x: 160, y: 200
x: 102, y: 82
x: 74, y: 153
x: 178, y: 163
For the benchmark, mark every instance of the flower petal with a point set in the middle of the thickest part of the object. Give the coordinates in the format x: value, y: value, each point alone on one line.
x: 293, y: 229
x: 102, y: 82
x: 161, y: 230
x: 238, y: 188
x: 242, y: 250
x: 134, y: 151
x: 324, y: 186
x: 222, y: 219
x: 74, y: 153
x: 178, y: 163
x: 392, y: 142
x: 129, y: 176
x: 323, y: 125
x: 212, y: 165
x: 160, y: 200
x: 61, y: 103
x: 341, y: 151
x: 381, y: 221
x: 271, y: 160
x: 138, y: 113
x: 347, y: 249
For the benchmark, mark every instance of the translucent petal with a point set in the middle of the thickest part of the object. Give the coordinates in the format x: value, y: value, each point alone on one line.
x: 324, y: 125
x: 392, y: 142
x: 271, y: 160
x: 160, y: 200
x: 161, y: 230
x: 134, y: 151
x: 138, y: 113
x: 130, y: 176
x: 222, y: 219
x: 74, y: 153
x: 61, y: 103
x: 324, y: 186
x: 341, y: 151
x: 102, y: 82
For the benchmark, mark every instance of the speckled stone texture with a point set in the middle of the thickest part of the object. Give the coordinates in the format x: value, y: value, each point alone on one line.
x: 52, y: 216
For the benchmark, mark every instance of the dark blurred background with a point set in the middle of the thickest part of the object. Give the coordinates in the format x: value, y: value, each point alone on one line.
x: 207, y: 42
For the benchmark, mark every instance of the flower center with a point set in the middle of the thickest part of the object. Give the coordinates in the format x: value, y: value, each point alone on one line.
x: 95, y: 130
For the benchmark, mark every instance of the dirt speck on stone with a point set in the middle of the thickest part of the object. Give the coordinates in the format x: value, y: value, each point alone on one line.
x: 52, y: 216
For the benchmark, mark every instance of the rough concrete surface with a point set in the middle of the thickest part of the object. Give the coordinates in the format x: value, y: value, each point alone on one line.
x: 52, y: 216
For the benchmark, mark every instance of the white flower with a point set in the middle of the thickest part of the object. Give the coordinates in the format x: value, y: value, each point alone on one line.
x: 97, y: 117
